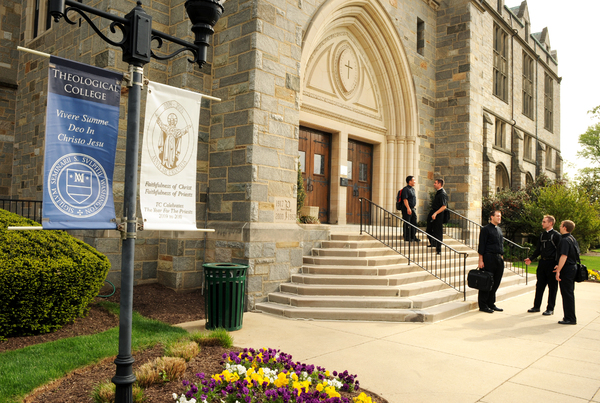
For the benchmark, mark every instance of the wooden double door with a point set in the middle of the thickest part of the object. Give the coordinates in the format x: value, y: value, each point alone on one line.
x: 315, y: 161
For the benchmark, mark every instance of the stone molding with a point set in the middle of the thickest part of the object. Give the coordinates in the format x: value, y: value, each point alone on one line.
x: 341, y: 118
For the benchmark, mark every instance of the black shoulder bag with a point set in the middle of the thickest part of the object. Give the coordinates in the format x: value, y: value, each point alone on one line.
x: 581, y: 273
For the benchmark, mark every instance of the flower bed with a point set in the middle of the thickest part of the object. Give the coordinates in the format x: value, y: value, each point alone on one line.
x: 268, y: 375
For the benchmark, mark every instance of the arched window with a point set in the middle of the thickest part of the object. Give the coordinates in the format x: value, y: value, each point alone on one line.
x: 502, y: 180
x: 528, y: 179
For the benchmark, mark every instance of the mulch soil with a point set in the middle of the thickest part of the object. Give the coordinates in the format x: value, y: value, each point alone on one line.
x: 152, y: 301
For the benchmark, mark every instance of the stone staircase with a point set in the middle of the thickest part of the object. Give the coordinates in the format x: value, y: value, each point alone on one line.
x: 355, y: 277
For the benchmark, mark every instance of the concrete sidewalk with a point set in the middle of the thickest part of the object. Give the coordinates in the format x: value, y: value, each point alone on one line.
x: 504, y: 357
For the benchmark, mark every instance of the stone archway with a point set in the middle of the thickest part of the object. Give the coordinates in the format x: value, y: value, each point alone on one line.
x: 357, y: 84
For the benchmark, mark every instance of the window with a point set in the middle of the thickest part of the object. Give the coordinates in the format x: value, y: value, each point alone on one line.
x: 319, y: 167
x: 548, y: 102
x: 502, y: 180
x: 363, y: 172
x: 528, y: 150
x: 500, y: 137
x: 550, y: 158
x: 500, y: 63
x: 38, y: 19
x: 420, y: 36
x: 527, y: 29
x: 500, y: 6
x: 528, y: 179
x: 527, y: 85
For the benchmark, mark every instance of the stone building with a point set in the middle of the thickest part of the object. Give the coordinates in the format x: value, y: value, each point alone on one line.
x: 367, y: 91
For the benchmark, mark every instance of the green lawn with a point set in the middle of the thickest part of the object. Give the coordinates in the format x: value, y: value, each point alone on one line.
x: 592, y: 263
x: 23, y: 370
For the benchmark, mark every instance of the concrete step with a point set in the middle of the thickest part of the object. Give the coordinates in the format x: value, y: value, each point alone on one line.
x: 339, y: 302
x: 337, y: 270
x: 348, y: 261
x: 389, y: 280
x: 351, y: 244
x: 354, y: 252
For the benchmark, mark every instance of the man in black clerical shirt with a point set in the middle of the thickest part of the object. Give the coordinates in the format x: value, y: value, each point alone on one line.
x: 546, y: 249
x: 435, y: 218
x: 568, y: 252
x: 491, y: 259
x: 408, y: 200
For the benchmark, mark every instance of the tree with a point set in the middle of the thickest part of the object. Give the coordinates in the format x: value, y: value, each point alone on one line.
x: 589, y: 177
x: 590, y: 140
x: 511, y: 204
x: 565, y: 203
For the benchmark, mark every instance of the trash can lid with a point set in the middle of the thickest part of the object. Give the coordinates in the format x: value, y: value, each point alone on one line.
x: 224, y: 266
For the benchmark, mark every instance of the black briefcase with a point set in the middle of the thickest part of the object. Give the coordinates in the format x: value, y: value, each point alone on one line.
x: 481, y: 280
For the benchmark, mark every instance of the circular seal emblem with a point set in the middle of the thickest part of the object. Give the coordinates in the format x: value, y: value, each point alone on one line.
x: 78, y: 185
x: 170, y: 143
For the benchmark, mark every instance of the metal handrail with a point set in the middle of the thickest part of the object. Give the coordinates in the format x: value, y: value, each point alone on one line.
x: 31, y: 209
x: 467, y: 231
x: 388, y: 228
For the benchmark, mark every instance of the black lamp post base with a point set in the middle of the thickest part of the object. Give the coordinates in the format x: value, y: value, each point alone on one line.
x: 124, y: 379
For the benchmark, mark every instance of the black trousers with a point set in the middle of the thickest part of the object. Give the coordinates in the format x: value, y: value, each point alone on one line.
x: 546, y: 277
x: 567, y: 290
x: 495, y: 265
x: 409, y: 232
x: 435, y: 228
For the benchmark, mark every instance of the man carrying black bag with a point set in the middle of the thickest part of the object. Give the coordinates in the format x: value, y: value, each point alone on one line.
x: 407, y: 202
x: 491, y: 259
x: 546, y: 249
x: 568, y: 250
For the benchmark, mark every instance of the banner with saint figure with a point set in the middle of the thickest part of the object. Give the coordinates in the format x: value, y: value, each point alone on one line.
x: 82, y: 122
x: 169, y: 152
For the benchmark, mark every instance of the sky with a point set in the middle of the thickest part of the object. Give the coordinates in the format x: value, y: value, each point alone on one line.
x: 573, y: 29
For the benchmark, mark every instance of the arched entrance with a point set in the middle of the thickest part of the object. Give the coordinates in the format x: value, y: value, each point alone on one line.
x: 357, y: 85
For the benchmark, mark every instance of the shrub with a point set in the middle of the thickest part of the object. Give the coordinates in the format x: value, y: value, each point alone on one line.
x: 161, y: 370
x: 47, y: 278
x: 301, y: 194
x: 105, y: 393
x: 183, y: 349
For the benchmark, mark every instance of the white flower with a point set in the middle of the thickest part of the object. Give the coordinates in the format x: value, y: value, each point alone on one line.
x: 336, y: 383
x: 175, y: 396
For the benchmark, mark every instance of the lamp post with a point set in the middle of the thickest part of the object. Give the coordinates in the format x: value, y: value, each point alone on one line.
x: 137, y: 36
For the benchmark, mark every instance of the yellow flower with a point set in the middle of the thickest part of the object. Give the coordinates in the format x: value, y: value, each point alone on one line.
x: 320, y: 387
x: 294, y: 376
x: 327, y: 373
x: 362, y: 398
x: 281, y: 380
x: 331, y: 392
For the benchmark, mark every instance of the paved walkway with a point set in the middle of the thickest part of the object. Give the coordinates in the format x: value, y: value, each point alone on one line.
x: 504, y: 357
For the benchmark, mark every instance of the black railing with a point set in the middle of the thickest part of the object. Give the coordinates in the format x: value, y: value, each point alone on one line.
x: 31, y: 209
x: 449, y: 265
x: 467, y: 231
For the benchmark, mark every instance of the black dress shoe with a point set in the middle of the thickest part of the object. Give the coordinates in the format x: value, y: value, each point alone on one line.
x: 548, y: 312
x: 566, y: 322
x: 533, y: 310
x: 495, y: 308
x: 416, y: 240
x: 486, y: 310
x: 430, y: 246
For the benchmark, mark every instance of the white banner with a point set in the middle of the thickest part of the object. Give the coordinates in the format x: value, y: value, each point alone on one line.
x: 169, y: 150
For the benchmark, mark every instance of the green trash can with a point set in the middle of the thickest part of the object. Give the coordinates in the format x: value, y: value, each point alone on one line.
x: 225, y: 295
